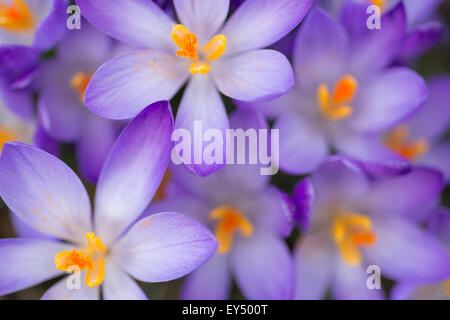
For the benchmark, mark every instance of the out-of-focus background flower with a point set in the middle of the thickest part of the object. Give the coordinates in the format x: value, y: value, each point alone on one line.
x: 435, y: 62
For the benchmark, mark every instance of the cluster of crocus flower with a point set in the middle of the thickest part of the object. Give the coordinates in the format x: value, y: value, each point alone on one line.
x: 363, y: 149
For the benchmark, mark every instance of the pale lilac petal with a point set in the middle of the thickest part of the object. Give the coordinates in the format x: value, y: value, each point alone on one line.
x: 44, y: 192
x: 413, y: 194
x: 118, y: 285
x: 202, y: 107
x: 61, y: 291
x: 405, y: 252
x: 140, y: 23
x: 24, y: 230
x: 27, y: 262
x: 420, y: 40
x: 125, y: 85
x: 303, y: 144
x: 260, y: 23
x: 133, y: 170
x: 350, y: 283
x: 211, y: 281
x: 203, y: 18
x: 439, y: 158
x: 164, y: 247
x: 388, y: 98
x: 321, y: 50
x: 314, y: 266
x: 420, y: 11
x: 53, y: 27
x: 258, y: 75
x: 263, y: 267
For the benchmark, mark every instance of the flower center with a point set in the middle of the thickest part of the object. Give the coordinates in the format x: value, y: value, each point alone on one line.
x: 229, y: 221
x: 350, y: 232
x: 79, y: 83
x: 7, y: 135
x: 91, y: 258
x: 399, y: 140
x: 188, y: 43
x: 161, y: 192
x: 336, y: 106
x: 16, y: 16
x: 380, y: 3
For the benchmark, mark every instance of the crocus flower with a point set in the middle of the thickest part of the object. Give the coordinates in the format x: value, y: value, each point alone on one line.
x: 420, y: 139
x: 355, y: 222
x: 110, y: 250
x: 440, y: 226
x: 212, y: 55
x: 249, y: 218
x: 344, y: 93
x: 62, y: 82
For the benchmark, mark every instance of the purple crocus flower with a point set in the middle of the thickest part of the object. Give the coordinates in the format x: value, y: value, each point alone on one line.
x: 62, y: 82
x: 248, y: 216
x: 355, y: 222
x: 440, y: 226
x: 13, y: 128
x: 420, y: 139
x: 344, y: 95
x: 212, y: 55
x: 110, y: 250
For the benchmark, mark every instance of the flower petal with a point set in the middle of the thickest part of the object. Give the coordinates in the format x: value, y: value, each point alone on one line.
x: 44, y: 192
x: 405, y: 252
x: 136, y: 162
x: 211, y: 281
x: 140, y: 23
x: 263, y: 267
x: 388, y: 98
x: 120, y: 286
x: 421, y: 39
x: 53, y: 27
x: 61, y: 291
x: 258, y: 75
x: 27, y: 262
x: 164, y: 247
x: 303, y: 144
x: 125, y: 85
x: 439, y: 158
x: 202, y: 106
x: 203, y: 18
x: 260, y: 23
x: 314, y: 261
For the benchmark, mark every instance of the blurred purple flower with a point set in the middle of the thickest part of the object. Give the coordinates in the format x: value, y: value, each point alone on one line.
x: 344, y: 95
x: 249, y: 217
x: 212, y: 57
x: 48, y: 196
x: 356, y: 222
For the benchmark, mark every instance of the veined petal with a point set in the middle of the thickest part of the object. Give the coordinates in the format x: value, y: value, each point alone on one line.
x: 44, y: 192
x: 258, y: 75
x: 61, y: 291
x: 140, y: 23
x: 136, y: 162
x: 164, y: 247
x: 260, y: 23
x: 53, y: 27
x: 27, y: 262
x: 202, y: 105
x: 120, y: 286
x: 211, y: 281
x: 123, y: 86
x: 203, y: 18
x: 263, y: 267
x: 387, y: 99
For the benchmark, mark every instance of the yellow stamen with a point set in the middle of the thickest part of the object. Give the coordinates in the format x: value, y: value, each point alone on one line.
x: 215, y: 47
x: 399, y: 141
x: 16, y: 17
x: 186, y: 41
x: 337, y: 106
x: 380, y: 3
x: 350, y: 232
x: 7, y: 135
x: 199, y: 66
x: 161, y: 192
x: 91, y: 258
x: 79, y: 83
x: 230, y: 220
